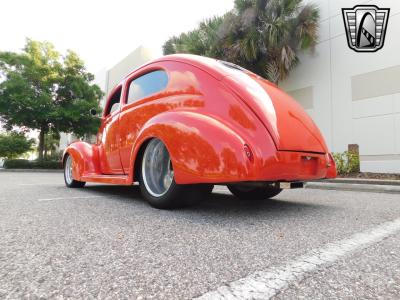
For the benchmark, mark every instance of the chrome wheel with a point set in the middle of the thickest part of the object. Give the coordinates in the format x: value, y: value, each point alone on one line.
x: 157, y: 172
x: 68, y: 170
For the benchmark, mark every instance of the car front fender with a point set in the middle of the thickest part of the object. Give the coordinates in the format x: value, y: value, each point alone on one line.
x: 85, y: 159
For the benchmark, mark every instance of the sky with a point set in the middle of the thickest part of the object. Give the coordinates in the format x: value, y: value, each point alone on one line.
x: 102, y: 32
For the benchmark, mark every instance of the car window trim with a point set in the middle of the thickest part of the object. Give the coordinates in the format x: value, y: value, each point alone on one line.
x: 114, y: 90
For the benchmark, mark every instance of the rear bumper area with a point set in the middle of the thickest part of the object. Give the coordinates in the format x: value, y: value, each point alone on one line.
x: 298, y: 166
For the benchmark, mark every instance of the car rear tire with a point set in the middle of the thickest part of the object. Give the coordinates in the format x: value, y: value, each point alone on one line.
x: 68, y: 177
x: 244, y: 192
x: 157, y: 182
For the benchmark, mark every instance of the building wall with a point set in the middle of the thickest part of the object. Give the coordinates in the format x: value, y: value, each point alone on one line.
x: 65, y: 140
x: 138, y: 57
x: 353, y: 97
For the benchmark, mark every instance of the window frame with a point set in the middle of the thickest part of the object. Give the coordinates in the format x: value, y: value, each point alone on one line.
x: 115, y: 90
x: 137, y: 75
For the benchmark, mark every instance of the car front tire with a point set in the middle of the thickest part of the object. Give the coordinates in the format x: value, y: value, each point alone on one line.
x: 68, y: 177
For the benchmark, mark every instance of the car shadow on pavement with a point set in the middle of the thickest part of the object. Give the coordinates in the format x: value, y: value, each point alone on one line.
x: 216, y: 203
x: 116, y: 192
x: 221, y: 202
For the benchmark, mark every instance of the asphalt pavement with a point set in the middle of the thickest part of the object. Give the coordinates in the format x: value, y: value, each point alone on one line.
x: 106, y: 242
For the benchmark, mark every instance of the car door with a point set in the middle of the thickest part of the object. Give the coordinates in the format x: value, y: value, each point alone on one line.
x: 108, y: 137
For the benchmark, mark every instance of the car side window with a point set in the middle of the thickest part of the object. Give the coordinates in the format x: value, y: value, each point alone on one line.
x: 113, y: 104
x: 147, y: 85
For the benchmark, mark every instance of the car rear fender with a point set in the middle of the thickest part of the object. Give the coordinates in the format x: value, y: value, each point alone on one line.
x: 202, y: 149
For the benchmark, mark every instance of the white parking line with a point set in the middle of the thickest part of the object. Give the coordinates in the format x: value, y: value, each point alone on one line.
x: 67, y: 198
x: 268, y: 283
x: 34, y: 184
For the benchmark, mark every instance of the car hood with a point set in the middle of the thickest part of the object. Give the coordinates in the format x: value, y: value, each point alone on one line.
x: 288, y: 124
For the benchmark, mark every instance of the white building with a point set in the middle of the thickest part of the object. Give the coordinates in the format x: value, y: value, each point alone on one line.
x: 353, y: 97
x: 138, y: 57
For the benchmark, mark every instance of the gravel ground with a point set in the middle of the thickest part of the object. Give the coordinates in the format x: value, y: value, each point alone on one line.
x: 106, y: 242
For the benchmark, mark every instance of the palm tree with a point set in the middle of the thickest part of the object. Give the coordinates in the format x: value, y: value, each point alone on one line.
x: 264, y: 36
x: 201, y: 41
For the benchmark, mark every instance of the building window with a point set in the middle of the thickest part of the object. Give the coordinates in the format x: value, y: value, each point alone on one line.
x: 147, y: 85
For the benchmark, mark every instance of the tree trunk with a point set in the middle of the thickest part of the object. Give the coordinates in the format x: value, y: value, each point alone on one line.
x: 41, y: 143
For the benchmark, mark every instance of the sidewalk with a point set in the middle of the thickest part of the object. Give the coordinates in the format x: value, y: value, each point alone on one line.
x: 357, y: 184
x: 364, y: 181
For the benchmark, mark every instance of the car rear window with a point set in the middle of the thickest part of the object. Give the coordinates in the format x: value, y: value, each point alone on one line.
x: 146, y: 85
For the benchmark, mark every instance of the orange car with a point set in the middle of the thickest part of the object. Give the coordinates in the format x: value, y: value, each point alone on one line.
x: 182, y: 123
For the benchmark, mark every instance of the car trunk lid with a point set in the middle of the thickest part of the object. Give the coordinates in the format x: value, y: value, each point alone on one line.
x: 289, y: 125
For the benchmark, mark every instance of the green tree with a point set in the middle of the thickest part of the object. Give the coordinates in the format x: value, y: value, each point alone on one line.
x: 51, y: 143
x: 201, y: 41
x: 14, y: 144
x: 42, y: 90
x: 264, y: 36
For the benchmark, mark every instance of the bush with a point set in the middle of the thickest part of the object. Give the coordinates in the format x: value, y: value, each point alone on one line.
x: 14, y: 144
x: 47, y: 164
x: 55, y: 156
x: 32, y: 164
x: 346, y: 162
x: 17, y: 164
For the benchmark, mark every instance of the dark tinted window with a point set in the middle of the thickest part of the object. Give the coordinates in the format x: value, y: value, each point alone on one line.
x: 147, y: 85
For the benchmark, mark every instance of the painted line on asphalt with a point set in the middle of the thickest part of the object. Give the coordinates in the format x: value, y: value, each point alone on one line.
x: 268, y: 283
x: 67, y: 198
x: 29, y: 184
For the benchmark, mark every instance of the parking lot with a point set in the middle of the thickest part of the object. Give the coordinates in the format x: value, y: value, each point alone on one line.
x: 106, y: 242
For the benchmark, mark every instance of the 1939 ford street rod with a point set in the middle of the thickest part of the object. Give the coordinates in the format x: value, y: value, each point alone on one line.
x: 182, y: 123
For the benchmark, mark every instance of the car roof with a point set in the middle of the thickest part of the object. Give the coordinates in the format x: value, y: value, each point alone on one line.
x: 217, y: 69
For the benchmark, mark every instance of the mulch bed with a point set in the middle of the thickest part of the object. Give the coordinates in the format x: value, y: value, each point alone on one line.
x: 367, y: 175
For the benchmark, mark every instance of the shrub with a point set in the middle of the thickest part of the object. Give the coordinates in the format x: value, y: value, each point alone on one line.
x: 14, y: 144
x: 32, y: 164
x: 55, y: 156
x: 47, y: 164
x: 17, y: 164
x: 346, y: 162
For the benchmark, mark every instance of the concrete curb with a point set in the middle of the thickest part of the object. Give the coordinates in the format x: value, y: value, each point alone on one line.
x: 32, y: 170
x: 363, y: 181
x: 371, y: 188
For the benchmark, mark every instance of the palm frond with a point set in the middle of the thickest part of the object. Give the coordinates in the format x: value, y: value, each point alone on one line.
x: 263, y: 35
x: 272, y: 71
